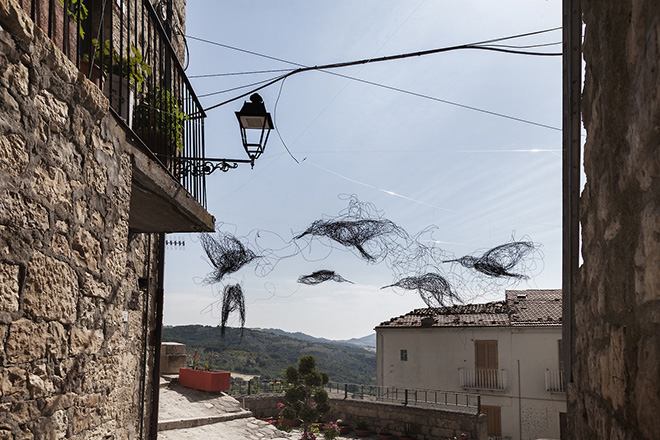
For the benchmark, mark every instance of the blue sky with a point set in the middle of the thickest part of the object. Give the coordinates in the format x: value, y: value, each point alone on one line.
x: 477, y: 178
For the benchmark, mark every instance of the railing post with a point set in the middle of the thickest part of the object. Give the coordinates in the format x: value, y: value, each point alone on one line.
x: 405, y: 401
x: 345, y: 391
x: 249, y: 387
x: 479, y: 404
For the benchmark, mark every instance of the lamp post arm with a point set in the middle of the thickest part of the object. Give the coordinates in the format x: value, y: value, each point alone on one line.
x: 199, y: 166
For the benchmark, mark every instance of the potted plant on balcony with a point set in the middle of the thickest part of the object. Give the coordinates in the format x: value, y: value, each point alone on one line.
x: 128, y: 71
x: 385, y: 433
x: 205, y: 380
x: 158, y: 121
x: 408, y: 432
x: 344, y: 427
x: 362, y: 429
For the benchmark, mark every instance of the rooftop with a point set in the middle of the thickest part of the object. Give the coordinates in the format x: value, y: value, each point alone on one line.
x: 521, y: 308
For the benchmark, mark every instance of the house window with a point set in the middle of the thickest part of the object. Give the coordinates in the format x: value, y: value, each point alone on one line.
x: 494, y: 414
x: 404, y: 355
x: 485, y: 363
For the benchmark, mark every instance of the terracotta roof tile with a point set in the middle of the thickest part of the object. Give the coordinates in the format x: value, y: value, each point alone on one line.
x: 521, y: 308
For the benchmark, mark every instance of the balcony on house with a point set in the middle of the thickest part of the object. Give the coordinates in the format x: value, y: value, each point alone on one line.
x: 483, y: 379
x: 126, y: 48
x: 554, y: 381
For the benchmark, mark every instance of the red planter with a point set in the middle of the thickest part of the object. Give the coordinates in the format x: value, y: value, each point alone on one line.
x: 212, y: 381
x: 362, y: 432
x: 344, y: 429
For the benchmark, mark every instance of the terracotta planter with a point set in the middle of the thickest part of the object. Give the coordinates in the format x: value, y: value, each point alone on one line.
x: 362, y: 432
x: 385, y: 436
x: 212, y: 381
x: 291, y: 422
x: 344, y: 429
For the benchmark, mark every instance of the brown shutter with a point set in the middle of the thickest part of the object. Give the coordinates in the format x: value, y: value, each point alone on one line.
x: 494, y: 414
x: 485, y: 355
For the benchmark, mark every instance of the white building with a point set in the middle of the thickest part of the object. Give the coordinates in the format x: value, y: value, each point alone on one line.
x: 506, y: 351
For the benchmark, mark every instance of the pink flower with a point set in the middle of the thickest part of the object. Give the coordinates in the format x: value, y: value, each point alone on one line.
x: 280, y: 405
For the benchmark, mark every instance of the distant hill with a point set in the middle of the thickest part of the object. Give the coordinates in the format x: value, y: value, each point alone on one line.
x: 263, y: 353
x: 368, y: 341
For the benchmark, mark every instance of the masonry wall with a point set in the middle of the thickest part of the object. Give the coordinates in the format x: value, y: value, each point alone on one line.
x: 74, y: 320
x: 427, y: 423
x: 616, y: 342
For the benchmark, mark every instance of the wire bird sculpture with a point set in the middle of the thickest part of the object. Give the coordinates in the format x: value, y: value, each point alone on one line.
x: 321, y: 276
x: 498, y: 261
x: 353, y: 233
x: 434, y: 289
x: 232, y: 299
x: 226, y: 254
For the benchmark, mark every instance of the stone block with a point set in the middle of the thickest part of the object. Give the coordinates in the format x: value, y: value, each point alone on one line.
x: 173, y: 348
x: 26, y: 341
x: 86, y: 250
x: 14, y: 156
x: 54, y: 111
x: 51, y: 289
x: 85, y: 340
x: 9, y: 287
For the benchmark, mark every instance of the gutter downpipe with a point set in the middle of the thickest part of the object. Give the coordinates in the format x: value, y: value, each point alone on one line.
x: 157, y: 337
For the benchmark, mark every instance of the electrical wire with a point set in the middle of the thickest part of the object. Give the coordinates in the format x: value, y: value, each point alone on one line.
x: 481, y: 45
x: 254, y: 72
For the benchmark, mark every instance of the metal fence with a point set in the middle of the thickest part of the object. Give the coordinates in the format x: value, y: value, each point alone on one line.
x: 422, y: 398
x: 254, y: 386
x: 407, y: 396
x: 125, y: 48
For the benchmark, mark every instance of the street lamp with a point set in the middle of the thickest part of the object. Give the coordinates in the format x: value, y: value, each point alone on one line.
x: 255, y: 124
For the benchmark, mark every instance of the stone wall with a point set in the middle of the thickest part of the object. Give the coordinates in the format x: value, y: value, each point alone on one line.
x: 427, y: 423
x: 74, y: 320
x: 616, y: 342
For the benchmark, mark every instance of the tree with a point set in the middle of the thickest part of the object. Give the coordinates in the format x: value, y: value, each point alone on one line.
x: 305, y: 397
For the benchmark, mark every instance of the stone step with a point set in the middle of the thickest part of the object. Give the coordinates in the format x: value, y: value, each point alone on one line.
x: 191, y: 422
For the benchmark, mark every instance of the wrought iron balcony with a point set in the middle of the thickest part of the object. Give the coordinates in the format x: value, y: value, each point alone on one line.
x: 125, y: 47
x: 483, y: 379
x: 554, y: 381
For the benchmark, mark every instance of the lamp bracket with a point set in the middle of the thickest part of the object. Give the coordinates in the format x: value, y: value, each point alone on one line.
x: 197, y: 166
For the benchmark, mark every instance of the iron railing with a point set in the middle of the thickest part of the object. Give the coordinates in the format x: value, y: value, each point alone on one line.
x: 482, y: 379
x: 256, y: 386
x: 125, y: 48
x: 422, y: 398
x: 554, y: 381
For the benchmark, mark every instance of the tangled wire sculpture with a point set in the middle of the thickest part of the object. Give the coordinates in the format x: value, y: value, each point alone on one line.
x: 226, y: 254
x: 498, y: 261
x: 352, y: 233
x: 321, y: 276
x: 232, y: 299
x: 434, y: 289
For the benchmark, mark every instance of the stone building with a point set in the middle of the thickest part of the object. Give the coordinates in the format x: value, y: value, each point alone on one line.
x: 84, y: 205
x: 506, y: 351
x: 615, y: 345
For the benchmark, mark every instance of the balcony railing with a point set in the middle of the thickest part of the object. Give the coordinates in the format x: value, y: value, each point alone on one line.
x: 554, y: 381
x: 125, y: 48
x: 483, y: 379
x: 448, y: 400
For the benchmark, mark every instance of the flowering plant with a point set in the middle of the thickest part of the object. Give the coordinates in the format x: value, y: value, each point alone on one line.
x: 194, y: 360
x: 330, y: 431
x: 308, y: 436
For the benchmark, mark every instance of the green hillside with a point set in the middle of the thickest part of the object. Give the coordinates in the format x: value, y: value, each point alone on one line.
x: 266, y: 354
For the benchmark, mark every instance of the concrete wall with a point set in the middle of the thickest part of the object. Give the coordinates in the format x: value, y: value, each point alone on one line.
x: 72, y: 312
x: 427, y: 423
x: 435, y: 356
x: 616, y: 342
